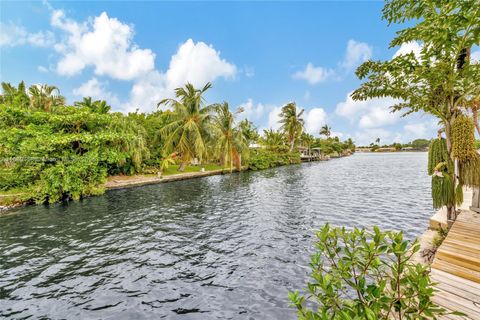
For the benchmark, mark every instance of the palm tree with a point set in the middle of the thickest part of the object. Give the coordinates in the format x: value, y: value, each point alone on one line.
x: 326, y: 131
x: 273, y: 140
x: 14, y: 96
x: 377, y: 141
x: 98, y: 106
x: 187, y: 131
x: 43, y: 97
x: 307, y: 140
x: 230, y: 141
x: 249, y: 131
x: 292, y: 123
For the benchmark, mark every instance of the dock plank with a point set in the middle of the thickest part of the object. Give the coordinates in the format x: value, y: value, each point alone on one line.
x: 456, y: 268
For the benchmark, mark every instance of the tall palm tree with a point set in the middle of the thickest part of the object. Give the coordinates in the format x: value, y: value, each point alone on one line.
x: 14, y: 96
x: 326, y: 131
x: 230, y: 141
x: 43, y: 97
x: 187, y: 132
x: 292, y: 123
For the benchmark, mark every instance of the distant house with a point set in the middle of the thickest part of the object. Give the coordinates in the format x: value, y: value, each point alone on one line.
x: 255, y: 146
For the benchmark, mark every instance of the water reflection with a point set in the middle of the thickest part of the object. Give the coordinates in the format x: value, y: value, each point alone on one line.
x: 222, y: 247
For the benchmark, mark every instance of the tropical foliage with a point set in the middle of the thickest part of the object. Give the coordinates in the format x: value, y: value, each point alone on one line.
x: 442, y: 80
x: 292, y: 123
x: 50, y: 151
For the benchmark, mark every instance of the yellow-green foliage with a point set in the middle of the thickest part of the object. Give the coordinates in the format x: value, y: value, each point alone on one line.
x: 464, y: 149
x: 440, y: 166
x: 463, y: 138
x: 438, y: 154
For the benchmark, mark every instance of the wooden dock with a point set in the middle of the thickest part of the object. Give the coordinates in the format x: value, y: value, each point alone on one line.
x: 456, y: 268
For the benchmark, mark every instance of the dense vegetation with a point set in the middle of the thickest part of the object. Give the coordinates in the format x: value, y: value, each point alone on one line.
x: 50, y: 151
x: 417, y: 144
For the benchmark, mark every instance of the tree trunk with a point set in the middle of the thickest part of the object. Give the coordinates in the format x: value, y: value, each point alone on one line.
x: 183, y: 165
x: 451, y: 214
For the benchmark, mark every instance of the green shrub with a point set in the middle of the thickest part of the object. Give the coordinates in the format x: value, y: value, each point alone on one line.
x: 264, y: 159
x: 66, y: 152
x: 366, y: 275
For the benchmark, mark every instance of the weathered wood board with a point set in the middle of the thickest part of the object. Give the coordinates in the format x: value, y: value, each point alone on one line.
x: 456, y: 268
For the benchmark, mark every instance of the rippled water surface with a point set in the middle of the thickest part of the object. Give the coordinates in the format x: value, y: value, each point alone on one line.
x: 221, y: 247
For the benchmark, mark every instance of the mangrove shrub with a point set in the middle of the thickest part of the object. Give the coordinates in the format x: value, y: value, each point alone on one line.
x: 365, y: 275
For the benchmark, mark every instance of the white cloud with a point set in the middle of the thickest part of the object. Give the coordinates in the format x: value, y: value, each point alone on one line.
x: 313, y: 74
x: 357, y: 53
x: 315, y: 118
x: 408, y: 47
x: 378, y: 115
x: 42, y: 69
x: 105, y: 44
x: 251, y: 110
x: 97, y: 91
x: 372, y: 113
x: 14, y: 35
x: 274, y: 118
x: 197, y: 63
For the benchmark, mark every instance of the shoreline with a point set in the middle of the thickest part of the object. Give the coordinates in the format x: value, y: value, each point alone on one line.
x: 125, y: 182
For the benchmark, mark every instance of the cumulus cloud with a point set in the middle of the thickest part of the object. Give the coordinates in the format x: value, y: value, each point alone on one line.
x: 251, y: 110
x: 378, y: 115
x: 409, y: 47
x: 197, y: 63
x: 313, y: 74
x: 274, y: 118
x: 315, y: 118
x: 357, y: 53
x: 104, y: 43
x: 14, y: 35
x: 96, y: 90
x: 372, y: 113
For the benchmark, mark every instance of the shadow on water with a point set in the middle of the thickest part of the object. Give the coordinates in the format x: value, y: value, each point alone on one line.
x: 221, y: 247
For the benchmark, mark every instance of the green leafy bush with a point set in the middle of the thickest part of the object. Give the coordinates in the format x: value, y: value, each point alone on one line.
x: 66, y: 152
x: 366, y: 275
x: 264, y: 159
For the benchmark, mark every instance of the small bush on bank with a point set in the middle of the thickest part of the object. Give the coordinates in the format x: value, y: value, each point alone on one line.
x: 264, y: 159
x: 366, y: 275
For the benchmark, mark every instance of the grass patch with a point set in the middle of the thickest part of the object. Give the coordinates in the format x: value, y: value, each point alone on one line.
x: 174, y: 169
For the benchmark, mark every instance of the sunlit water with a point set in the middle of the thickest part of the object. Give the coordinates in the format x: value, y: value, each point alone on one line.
x: 221, y: 247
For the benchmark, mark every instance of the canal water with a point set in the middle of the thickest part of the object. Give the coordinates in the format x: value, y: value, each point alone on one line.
x: 220, y: 247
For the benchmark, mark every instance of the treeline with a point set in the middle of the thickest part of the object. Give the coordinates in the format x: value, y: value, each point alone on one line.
x: 50, y: 151
x: 417, y: 144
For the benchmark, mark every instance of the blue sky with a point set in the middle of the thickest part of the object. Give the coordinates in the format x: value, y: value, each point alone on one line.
x: 259, y: 55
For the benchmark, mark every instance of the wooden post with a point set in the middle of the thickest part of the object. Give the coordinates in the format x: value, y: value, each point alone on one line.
x: 476, y: 200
